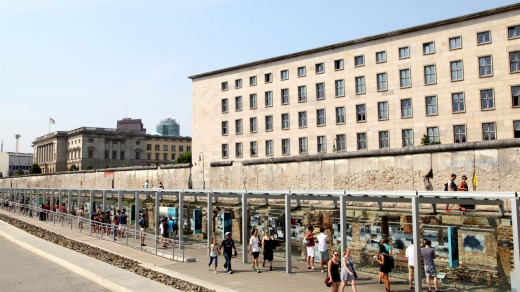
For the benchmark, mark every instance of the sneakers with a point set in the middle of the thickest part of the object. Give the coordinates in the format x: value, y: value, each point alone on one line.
x: 313, y: 268
x: 230, y: 272
x: 258, y: 271
x: 308, y: 267
x: 253, y: 267
x: 380, y: 282
x: 270, y: 268
x: 322, y: 270
x: 216, y: 272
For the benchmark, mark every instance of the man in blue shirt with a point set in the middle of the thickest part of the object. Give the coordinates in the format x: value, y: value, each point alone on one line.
x: 228, y: 245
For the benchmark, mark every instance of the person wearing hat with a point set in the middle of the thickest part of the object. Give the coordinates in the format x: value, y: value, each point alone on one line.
x: 228, y: 245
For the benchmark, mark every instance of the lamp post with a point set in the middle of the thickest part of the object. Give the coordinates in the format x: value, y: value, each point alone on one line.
x: 201, y: 158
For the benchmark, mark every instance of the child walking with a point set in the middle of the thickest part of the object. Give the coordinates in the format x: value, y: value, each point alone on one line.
x: 213, y: 254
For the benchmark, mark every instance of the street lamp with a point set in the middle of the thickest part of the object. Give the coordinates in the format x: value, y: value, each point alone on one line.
x: 201, y: 158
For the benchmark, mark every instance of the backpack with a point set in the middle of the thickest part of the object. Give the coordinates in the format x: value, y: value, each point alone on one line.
x: 446, y: 187
x: 389, y: 261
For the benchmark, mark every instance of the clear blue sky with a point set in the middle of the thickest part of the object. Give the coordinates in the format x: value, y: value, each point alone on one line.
x: 84, y: 63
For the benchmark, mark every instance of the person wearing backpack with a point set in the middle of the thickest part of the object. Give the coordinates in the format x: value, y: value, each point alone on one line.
x: 450, y: 186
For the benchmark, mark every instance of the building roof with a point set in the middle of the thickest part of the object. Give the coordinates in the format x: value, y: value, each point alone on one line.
x: 458, y: 19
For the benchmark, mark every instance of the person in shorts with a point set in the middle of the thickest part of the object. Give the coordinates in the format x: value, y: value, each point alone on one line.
x: 254, y: 249
x: 142, y: 228
x: 428, y: 254
x: 323, y: 248
x: 309, y: 238
x: 411, y: 262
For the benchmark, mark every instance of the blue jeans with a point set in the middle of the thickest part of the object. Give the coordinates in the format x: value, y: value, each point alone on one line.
x: 227, y: 265
x: 211, y: 260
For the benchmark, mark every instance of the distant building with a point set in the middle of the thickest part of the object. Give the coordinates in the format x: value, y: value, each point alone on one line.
x: 131, y: 125
x: 11, y: 162
x: 168, y: 127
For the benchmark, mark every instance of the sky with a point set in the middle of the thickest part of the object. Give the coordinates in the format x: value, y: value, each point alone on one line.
x: 92, y: 62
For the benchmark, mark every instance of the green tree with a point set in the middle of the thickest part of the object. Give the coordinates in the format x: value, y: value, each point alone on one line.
x: 425, y: 140
x: 184, y: 157
x: 19, y: 172
x: 35, y: 169
x: 73, y: 167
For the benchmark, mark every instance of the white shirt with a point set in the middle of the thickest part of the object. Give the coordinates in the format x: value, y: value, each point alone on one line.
x: 253, y: 241
x: 322, y: 242
x: 410, y: 255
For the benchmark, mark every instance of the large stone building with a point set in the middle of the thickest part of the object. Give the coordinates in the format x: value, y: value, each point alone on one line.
x: 131, y: 125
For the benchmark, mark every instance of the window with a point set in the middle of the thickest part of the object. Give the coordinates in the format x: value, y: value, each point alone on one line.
x: 322, y: 144
x: 238, y: 103
x: 320, y: 117
x: 361, y: 141
x: 253, y: 125
x: 252, y: 81
x: 224, y: 86
x: 433, y: 134
x: 225, y: 151
x: 173, y: 146
x: 165, y: 156
x: 157, y: 147
x: 339, y: 88
x: 360, y: 85
x: 382, y: 110
x: 430, y: 76
x: 407, y: 137
x: 238, y: 126
x: 404, y: 52
x: 138, y: 155
x: 136, y: 142
x: 485, y: 66
x: 384, y: 141
x: 156, y: 156
x: 457, y: 73
x: 285, y: 95
x: 361, y: 113
x: 489, y: 131
x: 92, y: 141
x: 513, y: 31
x: 252, y: 101
x: 381, y: 57
x: 382, y: 82
x: 406, y: 108
x: 484, y: 37
x: 148, y: 156
x: 514, y: 62
x: 359, y: 61
x: 340, y: 115
x: 459, y: 134
x: 455, y: 43
x: 285, y: 121
x: 302, y: 93
x: 253, y: 149
x: 149, y: 147
x: 405, y: 78
x: 286, y: 146
x: 487, y: 99
x: 515, y: 94
x: 181, y: 148
x: 224, y: 105
x: 302, y: 119
x: 165, y: 148
x: 269, y: 151
x: 302, y: 145
x: 320, y: 90
x: 516, y: 129
x: 302, y: 71
x: 431, y: 105
x: 341, y: 142
x: 268, y: 77
x: 188, y: 148
x: 268, y: 123
x: 114, y: 154
x: 225, y: 129
x: 238, y: 149
x: 107, y: 155
x: 238, y: 83
x: 284, y: 74
x: 338, y: 64
x: 429, y: 48
x: 268, y: 98
x: 90, y: 153
x: 458, y: 103
x: 320, y: 68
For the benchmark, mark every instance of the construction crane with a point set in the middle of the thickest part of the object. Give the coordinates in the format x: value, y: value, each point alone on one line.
x: 17, y: 136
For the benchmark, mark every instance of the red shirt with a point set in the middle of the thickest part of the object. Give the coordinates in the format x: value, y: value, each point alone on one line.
x: 310, y: 238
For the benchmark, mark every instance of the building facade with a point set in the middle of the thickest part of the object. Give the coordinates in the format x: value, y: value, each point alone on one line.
x: 168, y: 127
x: 11, y: 162
x: 131, y: 125
x: 451, y: 81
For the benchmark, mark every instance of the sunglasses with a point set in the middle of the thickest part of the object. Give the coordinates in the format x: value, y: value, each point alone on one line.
x: 336, y: 254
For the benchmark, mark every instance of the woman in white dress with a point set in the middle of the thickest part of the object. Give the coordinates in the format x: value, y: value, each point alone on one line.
x: 347, y: 271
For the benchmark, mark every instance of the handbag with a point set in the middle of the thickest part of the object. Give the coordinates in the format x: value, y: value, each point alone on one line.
x: 327, y: 282
x: 355, y: 274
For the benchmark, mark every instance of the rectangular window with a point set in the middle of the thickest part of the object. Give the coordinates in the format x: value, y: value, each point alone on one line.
x: 92, y: 141
x: 404, y: 52
x: 252, y: 81
x: 238, y: 126
x: 225, y: 150
x: 238, y: 103
x: 285, y: 95
x: 516, y: 129
x: 268, y: 77
x: 225, y: 129
x: 339, y: 88
x: 285, y: 121
x: 429, y: 48
x: 515, y: 95
x: 459, y: 133
x: 360, y: 85
x: 320, y: 117
x: 359, y: 61
x: 430, y: 75
x: 268, y: 123
x: 484, y: 37
x: 173, y: 147
x: 433, y: 134
x: 382, y: 110
x: 405, y: 79
x: 253, y: 125
x: 252, y: 101
x: 156, y: 156
x: 322, y: 144
x: 382, y: 82
x: 238, y: 83
x: 157, y: 147
x: 513, y: 31
x: 485, y: 65
x: 302, y: 93
x: 253, y: 149
x: 302, y: 119
x: 456, y: 69
x: 268, y: 98
x: 269, y: 151
x: 487, y: 99
x: 165, y: 156
x: 406, y: 108
x: 149, y: 147
x: 384, y: 140
x: 181, y: 148
x: 224, y: 104
x: 340, y: 115
x: 381, y: 57
x: 320, y: 68
x: 455, y: 43
x: 407, y: 137
x: 320, y: 90
x: 165, y: 147
x: 286, y: 146
x: 338, y: 64
x: 91, y: 153
x: 514, y: 62
x: 431, y: 105
x: 138, y: 155
x: 114, y: 154
x: 302, y: 71
x: 302, y: 145
x: 458, y: 103
x: 224, y: 86
x: 341, y: 142
x: 284, y: 74
x: 361, y: 113
x: 148, y: 156
x: 238, y: 149
x: 489, y: 132
x: 361, y: 141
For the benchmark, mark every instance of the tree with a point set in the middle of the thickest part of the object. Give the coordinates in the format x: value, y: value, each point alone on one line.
x: 73, y: 167
x: 425, y: 140
x: 19, y: 172
x: 35, y: 169
x: 184, y: 157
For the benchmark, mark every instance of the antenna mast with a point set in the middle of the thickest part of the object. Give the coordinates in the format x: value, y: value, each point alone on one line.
x: 17, y: 136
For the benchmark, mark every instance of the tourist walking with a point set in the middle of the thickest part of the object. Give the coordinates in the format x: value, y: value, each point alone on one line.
x: 268, y: 247
x: 428, y: 254
x: 463, y: 187
x: 385, y: 266
x: 228, y: 245
x: 122, y: 223
x: 309, y: 245
x: 323, y: 248
x: 450, y: 186
x: 142, y: 226
x: 80, y: 213
x: 347, y: 271
x: 254, y: 249
x: 333, y: 272
x: 410, y: 255
x: 145, y: 186
x: 213, y: 254
x: 164, y: 232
